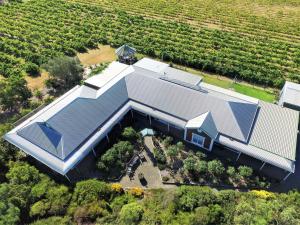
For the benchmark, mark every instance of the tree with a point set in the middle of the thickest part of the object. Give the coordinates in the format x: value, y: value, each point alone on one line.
x: 288, y: 216
x: 188, y: 198
x: 13, y: 92
x: 90, y: 191
x: 9, y: 213
x: 159, y: 156
x: 65, y: 72
x: 22, y: 173
x: 131, y: 213
x: 32, y: 69
x: 130, y: 134
x: 116, y: 156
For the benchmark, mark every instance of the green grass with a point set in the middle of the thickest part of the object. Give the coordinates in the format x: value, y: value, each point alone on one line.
x: 227, y: 84
x: 254, y: 92
x: 246, y: 89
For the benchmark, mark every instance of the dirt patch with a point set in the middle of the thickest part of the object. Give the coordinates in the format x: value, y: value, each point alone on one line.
x: 104, y: 53
x: 34, y: 83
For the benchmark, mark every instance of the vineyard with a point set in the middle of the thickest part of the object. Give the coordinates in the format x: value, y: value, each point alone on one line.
x: 198, y: 34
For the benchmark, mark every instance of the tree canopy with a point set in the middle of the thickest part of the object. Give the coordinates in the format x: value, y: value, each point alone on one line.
x: 65, y: 72
x: 13, y: 93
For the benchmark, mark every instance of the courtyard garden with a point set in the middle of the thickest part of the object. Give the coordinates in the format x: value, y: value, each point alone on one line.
x: 155, y: 161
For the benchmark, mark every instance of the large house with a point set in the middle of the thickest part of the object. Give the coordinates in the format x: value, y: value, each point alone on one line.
x: 176, y: 102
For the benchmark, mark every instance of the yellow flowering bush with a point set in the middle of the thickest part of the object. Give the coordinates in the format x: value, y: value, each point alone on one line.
x: 136, y: 191
x: 263, y: 194
x: 116, y: 187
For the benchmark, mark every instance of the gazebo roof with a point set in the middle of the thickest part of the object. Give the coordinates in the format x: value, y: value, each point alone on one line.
x: 125, y: 51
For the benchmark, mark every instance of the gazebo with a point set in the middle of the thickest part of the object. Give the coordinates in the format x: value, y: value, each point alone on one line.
x: 126, y: 54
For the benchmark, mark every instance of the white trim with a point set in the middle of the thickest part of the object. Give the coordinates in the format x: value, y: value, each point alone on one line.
x: 194, y: 135
x: 185, y: 131
x: 211, y: 144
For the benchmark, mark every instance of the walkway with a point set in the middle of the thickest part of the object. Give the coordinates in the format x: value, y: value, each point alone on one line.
x: 148, y: 168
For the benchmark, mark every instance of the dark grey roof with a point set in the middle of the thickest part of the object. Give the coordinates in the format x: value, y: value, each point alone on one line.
x: 44, y: 136
x: 231, y: 118
x: 77, y: 121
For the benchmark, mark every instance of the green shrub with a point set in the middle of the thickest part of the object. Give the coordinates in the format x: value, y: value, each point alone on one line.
x: 120, y: 201
x: 131, y: 213
x: 200, y: 155
x: 167, y: 141
x: 188, y: 198
x: 201, y: 167
x: 245, y: 171
x: 215, y: 168
x: 159, y: 156
x: 54, y: 220
x: 91, y: 211
x: 189, y: 164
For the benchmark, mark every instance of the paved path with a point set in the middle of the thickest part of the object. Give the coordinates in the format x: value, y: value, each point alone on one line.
x: 150, y: 171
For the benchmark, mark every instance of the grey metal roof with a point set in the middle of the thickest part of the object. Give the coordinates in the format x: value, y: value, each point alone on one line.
x: 125, y: 51
x: 258, y: 153
x: 275, y: 130
x: 290, y: 94
x: 78, y: 120
x: 44, y: 136
x: 177, y: 74
x: 163, y: 70
x: 231, y: 118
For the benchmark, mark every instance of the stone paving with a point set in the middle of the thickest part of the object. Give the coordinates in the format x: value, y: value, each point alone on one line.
x: 148, y: 168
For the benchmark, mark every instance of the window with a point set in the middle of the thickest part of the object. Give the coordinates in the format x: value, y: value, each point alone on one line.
x: 198, y: 139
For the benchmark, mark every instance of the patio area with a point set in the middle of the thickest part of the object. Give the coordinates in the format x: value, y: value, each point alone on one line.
x: 148, y: 168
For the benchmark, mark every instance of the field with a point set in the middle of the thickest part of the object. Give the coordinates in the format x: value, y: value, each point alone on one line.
x: 255, y: 41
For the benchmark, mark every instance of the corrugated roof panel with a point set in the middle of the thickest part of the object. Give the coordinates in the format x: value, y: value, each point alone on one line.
x: 45, y: 137
x: 275, y: 130
x: 76, y: 121
x: 233, y: 119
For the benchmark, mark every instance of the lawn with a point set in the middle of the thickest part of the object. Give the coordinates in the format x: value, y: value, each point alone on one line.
x: 243, y: 88
x: 255, y: 92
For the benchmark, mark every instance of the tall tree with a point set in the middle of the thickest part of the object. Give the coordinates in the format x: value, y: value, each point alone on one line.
x: 13, y: 92
x: 65, y: 72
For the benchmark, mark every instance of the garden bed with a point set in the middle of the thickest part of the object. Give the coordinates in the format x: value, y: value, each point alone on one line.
x: 179, y: 164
